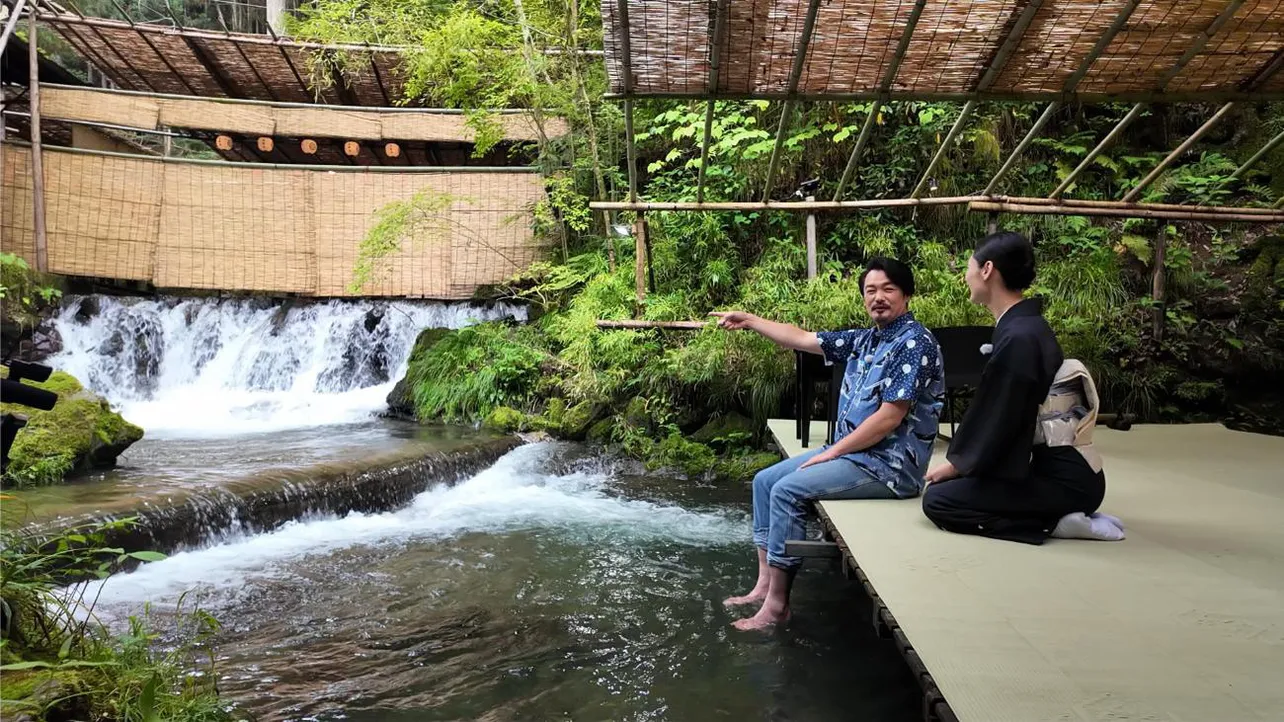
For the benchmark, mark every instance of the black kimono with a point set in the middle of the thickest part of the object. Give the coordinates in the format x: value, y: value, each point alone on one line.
x: 1009, y: 488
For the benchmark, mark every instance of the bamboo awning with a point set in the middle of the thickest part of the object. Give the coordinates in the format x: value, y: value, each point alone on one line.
x: 956, y: 50
x: 153, y: 111
x: 187, y: 61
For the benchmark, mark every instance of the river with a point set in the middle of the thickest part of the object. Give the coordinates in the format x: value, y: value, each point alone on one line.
x: 555, y: 583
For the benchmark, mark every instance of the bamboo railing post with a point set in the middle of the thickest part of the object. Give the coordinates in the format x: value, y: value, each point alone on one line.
x: 811, y: 242
x: 37, y: 164
x: 640, y: 247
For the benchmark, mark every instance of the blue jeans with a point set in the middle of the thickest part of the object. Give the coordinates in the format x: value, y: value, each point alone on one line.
x: 783, y: 496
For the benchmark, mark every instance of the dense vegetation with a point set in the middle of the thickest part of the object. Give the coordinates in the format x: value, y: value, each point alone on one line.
x: 59, y: 661
x: 649, y: 390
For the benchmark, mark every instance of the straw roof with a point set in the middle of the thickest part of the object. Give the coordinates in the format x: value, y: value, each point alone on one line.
x: 1220, y: 49
x: 185, y: 61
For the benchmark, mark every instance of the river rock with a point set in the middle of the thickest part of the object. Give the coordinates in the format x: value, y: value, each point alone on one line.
x: 81, y: 432
x: 87, y: 309
x: 45, y: 342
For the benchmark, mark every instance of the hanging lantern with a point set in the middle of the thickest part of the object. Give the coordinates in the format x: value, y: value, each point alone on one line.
x: 352, y: 148
x: 223, y: 142
x: 266, y: 144
x: 309, y: 146
x: 392, y: 150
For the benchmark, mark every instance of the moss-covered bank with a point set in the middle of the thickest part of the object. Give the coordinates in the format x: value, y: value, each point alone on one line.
x: 80, y: 432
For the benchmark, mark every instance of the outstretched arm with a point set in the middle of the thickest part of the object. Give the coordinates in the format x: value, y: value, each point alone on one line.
x: 782, y: 334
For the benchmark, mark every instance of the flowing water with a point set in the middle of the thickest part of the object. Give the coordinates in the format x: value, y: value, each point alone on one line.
x: 553, y: 584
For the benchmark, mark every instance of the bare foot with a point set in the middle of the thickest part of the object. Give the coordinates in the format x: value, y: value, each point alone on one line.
x: 754, y: 597
x: 765, y: 619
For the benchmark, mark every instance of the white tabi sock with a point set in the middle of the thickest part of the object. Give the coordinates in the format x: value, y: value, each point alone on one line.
x: 1108, y: 517
x: 1081, y: 526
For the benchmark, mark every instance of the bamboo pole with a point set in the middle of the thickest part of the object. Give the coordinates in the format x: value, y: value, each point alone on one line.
x: 1073, y: 202
x: 14, y: 15
x: 945, y: 145
x: 811, y: 242
x: 795, y: 72
x: 798, y: 206
x: 1270, y: 146
x: 1020, y: 149
x: 640, y: 258
x: 715, y: 53
x: 1196, y: 213
x: 1114, y: 133
x: 1178, y: 152
x: 1157, y: 281
x: 668, y: 325
x: 37, y: 159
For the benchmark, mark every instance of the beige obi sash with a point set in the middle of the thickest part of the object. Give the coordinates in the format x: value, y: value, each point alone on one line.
x: 1069, y: 413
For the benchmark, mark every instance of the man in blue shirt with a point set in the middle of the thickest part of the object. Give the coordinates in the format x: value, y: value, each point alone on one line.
x: 887, y: 422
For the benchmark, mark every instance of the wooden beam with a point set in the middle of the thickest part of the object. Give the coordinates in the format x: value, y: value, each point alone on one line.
x: 795, y: 72
x: 812, y: 549
x: 968, y: 107
x: 1114, y: 133
x: 1271, y: 145
x: 1207, y: 214
x: 666, y: 325
x: 1177, y: 153
x: 715, y: 52
x: 37, y: 155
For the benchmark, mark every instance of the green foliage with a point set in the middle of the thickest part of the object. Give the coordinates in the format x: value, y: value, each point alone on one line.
x: 468, y: 373
x: 422, y: 218
x: 59, y: 661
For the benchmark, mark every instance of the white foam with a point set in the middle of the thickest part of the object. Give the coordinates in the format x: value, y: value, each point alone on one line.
x: 200, y: 368
x: 515, y: 493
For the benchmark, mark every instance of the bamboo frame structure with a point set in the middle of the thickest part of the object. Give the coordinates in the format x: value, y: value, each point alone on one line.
x: 663, y: 325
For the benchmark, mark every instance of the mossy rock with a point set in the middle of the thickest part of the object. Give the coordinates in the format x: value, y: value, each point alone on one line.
x: 80, y: 432
x: 401, y: 400
x: 39, y: 694
x: 726, y: 430
x: 744, y: 466
x: 674, y: 451
x: 600, y: 431
x: 503, y: 418
x: 576, y: 420
x: 635, y: 414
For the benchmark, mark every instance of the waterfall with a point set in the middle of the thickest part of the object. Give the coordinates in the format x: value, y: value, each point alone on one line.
x: 206, y: 367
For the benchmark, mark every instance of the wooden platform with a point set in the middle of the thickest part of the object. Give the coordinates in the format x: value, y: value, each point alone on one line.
x: 1182, y: 621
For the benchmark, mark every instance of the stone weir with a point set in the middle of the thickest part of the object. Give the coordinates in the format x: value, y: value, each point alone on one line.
x: 262, y: 502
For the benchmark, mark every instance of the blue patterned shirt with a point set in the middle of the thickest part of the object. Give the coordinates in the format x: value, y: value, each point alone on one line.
x: 901, y: 362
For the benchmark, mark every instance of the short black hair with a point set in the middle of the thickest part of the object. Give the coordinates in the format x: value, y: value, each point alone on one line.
x: 1012, y: 254
x: 899, y: 273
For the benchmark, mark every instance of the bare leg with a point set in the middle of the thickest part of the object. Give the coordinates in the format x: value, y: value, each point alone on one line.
x: 775, y: 609
x: 759, y: 591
